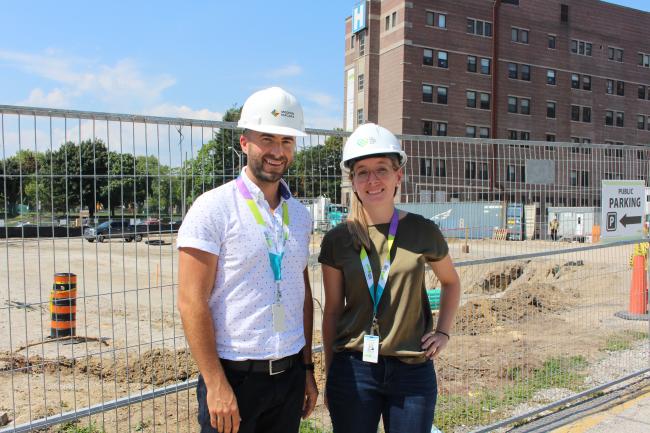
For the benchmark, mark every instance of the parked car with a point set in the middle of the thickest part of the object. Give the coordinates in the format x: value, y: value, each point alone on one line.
x: 113, y: 230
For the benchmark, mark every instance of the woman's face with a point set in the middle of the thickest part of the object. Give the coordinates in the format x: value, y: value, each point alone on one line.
x: 375, y: 180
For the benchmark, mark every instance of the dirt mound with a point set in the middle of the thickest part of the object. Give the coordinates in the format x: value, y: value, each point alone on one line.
x: 499, y: 279
x: 156, y: 367
x: 517, y: 304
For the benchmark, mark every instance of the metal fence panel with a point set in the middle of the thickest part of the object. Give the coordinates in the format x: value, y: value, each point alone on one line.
x: 537, y: 322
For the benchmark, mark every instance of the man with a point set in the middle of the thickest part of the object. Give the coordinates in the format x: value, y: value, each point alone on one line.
x: 554, y: 225
x: 244, y: 294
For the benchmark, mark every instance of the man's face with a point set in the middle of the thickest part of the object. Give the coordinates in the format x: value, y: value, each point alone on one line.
x: 269, y: 155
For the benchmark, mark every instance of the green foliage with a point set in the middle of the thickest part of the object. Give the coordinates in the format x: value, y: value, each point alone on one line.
x: 309, y: 426
x: 623, y: 340
x: 77, y: 427
x: 452, y: 411
x: 316, y: 172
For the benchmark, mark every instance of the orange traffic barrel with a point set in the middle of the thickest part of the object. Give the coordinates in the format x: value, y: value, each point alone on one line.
x: 63, y: 305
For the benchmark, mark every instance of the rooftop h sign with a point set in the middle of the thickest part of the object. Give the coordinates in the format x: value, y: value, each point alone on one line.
x: 623, y: 209
x: 359, y: 17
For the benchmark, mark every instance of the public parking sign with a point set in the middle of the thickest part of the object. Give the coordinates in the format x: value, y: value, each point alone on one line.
x: 623, y: 209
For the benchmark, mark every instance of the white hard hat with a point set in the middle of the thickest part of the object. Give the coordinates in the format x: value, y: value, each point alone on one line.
x: 370, y: 139
x: 274, y: 111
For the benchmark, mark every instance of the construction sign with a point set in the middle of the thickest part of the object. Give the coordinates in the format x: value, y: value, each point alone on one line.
x: 623, y: 209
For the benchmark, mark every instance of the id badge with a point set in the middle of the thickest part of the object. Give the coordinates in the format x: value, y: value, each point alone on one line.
x: 278, y: 317
x: 371, y: 348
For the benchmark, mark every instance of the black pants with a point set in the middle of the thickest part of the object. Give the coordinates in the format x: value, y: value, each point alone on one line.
x: 267, y: 404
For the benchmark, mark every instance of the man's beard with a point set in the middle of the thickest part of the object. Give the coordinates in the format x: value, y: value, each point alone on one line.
x: 257, y: 168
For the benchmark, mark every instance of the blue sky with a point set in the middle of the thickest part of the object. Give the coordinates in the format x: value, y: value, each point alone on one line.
x: 182, y: 59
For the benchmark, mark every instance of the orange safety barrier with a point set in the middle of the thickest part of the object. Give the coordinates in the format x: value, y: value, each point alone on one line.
x: 595, y: 233
x: 639, y: 287
x: 63, y: 305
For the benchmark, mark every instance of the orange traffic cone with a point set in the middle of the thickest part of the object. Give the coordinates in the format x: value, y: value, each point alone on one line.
x: 639, y: 287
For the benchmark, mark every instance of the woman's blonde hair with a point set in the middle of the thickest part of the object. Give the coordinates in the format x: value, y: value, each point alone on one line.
x: 356, y: 222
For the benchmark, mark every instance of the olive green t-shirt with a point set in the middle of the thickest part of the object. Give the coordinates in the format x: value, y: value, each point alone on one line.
x: 404, y: 313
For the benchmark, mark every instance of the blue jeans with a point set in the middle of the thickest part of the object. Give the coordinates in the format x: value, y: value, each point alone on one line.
x: 359, y: 392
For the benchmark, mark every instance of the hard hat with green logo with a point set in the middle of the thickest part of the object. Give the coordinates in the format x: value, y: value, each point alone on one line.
x: 371, y: 140
x: 274, y: 111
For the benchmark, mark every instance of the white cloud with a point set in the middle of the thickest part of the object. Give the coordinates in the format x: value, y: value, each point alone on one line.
x: 170, y: 110
x: 120, y: 85
x: 292, y: 70
x: 57, y: 98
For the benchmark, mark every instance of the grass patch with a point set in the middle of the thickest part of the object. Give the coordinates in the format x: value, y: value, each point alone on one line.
x: 452, y: 411
x: 75, y: 427
x: 310, y: 427
x: 622, y: 340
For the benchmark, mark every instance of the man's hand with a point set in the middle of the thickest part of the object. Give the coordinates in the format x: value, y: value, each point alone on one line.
x: 224, y: 412
x: 311, y: 394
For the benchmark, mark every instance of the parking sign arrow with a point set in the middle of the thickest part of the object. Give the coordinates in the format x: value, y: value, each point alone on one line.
x: 630, y: 220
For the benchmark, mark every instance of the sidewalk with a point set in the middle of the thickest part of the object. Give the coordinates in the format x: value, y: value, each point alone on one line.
x: 632, y: 416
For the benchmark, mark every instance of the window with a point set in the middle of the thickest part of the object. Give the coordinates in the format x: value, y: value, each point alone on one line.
x: 620, y: 119
x: 577, y: 110
x: 524, y: 135
x: 387, y: 25
x: 550, y: 110
x: 513, y: 70
x: 470, y: 170
x: 512, y: 134
x: 427, y: 57
x: 360, y: 82
x: 427, y: 127
x: 644, y: 60
x: 362, y: 42
x: 442, y: 95
x: 352, y: 42
x: 471, y: 98
x: 442, y: 59
x: 360, y: 116
x: 479, y: 28
x: 441, y: 168
x: 441, y: 129
x: 642, y: 92
x: 615, y: 54
x: 609, y: 118
x: 393, y: 19
x: 581, y: 48
x: 586, y: 82
x: 470, y: 131
x: 471, y: 64
x: 620, y: 88
x: 512, y: 104
x: 519, y: 35
x: 584, y: 178
x: 511, y: 173
x: 551, y: 138
x: 485, y: 66
x: 551, y: 41
x: 485, y: 101
x: 550, y: 77
x: 525, y: 72
x: 442, y: 21
x: 564, y: 13
x: 575, y: 81
x: 484, y: 132
x: 425, y: 167
x: 427, y: 93
x: 609, y: 87
x: 640, y: 122
x: 431, y: 18
x: 483, y: 170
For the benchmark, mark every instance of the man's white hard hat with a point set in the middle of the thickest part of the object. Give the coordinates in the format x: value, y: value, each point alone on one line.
x: 369, y: 140
x: 274, y: 111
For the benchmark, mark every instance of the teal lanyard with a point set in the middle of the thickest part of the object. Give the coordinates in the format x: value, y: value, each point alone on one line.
x: 378, y: 291
x: 276, y: 249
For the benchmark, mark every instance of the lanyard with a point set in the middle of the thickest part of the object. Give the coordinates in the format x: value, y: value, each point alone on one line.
x: 276, y: 249
x: 376, y: 292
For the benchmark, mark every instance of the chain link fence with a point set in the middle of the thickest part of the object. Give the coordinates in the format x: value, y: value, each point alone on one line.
x: 102, y: 195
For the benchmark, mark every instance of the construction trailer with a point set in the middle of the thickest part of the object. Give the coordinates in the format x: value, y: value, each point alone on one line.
x: 576, y: 223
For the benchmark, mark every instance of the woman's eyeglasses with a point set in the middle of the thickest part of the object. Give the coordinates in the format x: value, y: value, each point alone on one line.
x: 381, y: 173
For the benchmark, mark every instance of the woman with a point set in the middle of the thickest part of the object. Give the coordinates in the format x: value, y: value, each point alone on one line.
x: 378, y: 333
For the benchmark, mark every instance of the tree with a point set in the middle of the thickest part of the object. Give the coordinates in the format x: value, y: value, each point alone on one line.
x: 316, y: 170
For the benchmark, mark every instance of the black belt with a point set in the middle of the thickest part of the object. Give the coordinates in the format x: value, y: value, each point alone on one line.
x: 268, y: 366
